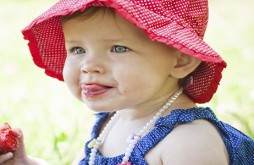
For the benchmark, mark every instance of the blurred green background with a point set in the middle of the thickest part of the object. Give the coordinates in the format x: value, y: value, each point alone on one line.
x: 56, y: 125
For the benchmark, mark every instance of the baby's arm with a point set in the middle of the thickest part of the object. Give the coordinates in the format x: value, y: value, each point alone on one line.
x: 8, y: 159
x: 37, y: 161
x: 19, y: 157
x: 194, y: 143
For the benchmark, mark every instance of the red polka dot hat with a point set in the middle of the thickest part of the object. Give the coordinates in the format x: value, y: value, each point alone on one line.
x: 177, y: 23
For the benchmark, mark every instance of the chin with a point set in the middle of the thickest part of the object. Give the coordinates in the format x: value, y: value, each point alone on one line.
x: 99, y: 108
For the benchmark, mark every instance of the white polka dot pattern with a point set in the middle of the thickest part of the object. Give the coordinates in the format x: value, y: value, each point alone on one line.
x: 178, y: 23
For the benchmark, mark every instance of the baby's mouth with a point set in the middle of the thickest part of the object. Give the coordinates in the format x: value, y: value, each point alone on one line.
x: 94, y: 89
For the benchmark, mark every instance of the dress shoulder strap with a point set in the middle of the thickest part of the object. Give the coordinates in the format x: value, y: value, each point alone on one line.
x: 101, y: 118
x: 165, y: 125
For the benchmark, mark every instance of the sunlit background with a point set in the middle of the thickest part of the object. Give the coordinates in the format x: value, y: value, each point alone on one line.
x: 56, y: 125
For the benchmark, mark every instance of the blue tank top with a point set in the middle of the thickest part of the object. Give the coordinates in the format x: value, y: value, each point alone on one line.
x: 239, y: 146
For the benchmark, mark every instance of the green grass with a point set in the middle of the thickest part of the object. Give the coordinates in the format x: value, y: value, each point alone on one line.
x: 56, y: 125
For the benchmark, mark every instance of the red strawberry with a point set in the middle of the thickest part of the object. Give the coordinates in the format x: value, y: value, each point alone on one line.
x: 8, y: 139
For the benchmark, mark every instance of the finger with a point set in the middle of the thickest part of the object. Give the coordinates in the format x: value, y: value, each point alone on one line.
x: 18, y: 132
x: 20, y: 152
x: 5, y: 157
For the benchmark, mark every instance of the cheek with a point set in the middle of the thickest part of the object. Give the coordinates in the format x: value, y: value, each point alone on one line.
x: 143, y: 78
x: 71, y: 78
x: 133, y: 81
x: 68, y: 70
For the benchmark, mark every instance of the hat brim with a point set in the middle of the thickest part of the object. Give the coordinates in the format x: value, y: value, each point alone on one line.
x: 46, y: 42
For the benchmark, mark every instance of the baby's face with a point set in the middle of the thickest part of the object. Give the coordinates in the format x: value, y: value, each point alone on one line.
x: 111, y: 64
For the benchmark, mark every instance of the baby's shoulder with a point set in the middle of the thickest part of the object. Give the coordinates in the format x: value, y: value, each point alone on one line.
x: 197, y: 142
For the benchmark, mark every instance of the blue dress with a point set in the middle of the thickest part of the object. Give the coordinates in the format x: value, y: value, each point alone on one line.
x: 239, y: 146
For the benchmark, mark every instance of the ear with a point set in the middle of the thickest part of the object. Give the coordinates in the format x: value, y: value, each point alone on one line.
x: 185, y: 64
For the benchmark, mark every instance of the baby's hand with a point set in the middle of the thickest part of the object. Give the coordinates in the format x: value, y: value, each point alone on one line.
x: 12, y: 150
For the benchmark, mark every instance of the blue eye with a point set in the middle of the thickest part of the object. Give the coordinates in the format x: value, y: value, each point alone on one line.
x: 119, y: 49
x: 78, y: 50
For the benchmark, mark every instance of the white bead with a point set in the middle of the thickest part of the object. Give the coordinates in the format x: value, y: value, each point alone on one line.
x: 151, y: 121
x: 129, y: 149
x: 136, y: 138
x: 125, y: 159
x: 99, y: 138
x: 168, y: 104
x: 92, y: 159
x: 128, y: 154
x: 91, y: 162
x: 161, y: 111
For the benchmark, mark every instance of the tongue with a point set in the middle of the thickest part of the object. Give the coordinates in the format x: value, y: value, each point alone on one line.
x: 95, y: 88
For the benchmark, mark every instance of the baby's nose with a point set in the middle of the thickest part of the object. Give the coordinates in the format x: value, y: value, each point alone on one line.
x: 93, y: 66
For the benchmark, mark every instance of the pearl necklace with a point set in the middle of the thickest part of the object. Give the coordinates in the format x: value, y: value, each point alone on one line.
x: 134, y: 138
